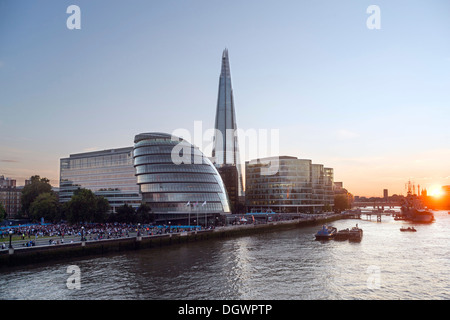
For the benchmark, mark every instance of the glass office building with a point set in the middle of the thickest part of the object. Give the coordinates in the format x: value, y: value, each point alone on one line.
x: 176, y: 180
x: 108, y: 173
x: 328, y: 186
x: 296, y: 186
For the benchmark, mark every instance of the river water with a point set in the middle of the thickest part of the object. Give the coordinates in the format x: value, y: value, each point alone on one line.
x: 386, y: 264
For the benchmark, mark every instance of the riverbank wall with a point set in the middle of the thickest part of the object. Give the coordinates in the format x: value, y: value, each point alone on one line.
x: 71, y: 251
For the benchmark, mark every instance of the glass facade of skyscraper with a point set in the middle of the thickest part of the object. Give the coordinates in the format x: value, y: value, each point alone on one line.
x: 176, y: 179
x: 226, y: 148
x: 297, y: 185
x: 108, y: 173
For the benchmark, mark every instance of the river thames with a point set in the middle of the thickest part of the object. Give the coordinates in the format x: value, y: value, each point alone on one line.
x: 282, y: 265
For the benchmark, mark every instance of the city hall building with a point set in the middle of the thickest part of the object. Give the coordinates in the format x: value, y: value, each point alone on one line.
x: 288, y: 185
x: 177, y: 180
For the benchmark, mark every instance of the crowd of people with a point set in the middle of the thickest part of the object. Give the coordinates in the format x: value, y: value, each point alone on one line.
x: 91, y: 231
x: 57, y: 233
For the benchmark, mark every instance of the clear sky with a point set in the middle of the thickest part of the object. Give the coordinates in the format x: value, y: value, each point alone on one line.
x: 374, y: 104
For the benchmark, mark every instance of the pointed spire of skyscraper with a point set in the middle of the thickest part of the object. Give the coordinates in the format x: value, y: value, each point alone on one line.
x: 225, y: 64
x: 226, y: 150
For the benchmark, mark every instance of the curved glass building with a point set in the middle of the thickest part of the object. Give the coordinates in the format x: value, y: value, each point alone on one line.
x: 176, y: 180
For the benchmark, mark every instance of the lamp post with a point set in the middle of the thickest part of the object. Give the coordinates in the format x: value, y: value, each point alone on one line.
x: 10, y: 239
x: 138, y: 232
x: 83, y: 243
x: 190, y: 210
x: 11, y: 249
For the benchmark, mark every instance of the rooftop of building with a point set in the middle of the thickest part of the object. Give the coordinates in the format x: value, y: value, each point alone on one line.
x: 100, y: 153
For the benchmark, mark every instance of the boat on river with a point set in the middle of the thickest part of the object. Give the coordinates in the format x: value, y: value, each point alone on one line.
x: 417, y: 215
x: 413, y: 210
x: 326, y: 233
x: 342, y: 235
x: 353, y: 234
x: 411, y: 229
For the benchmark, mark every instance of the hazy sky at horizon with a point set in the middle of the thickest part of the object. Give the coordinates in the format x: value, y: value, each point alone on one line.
x: 372, y: 104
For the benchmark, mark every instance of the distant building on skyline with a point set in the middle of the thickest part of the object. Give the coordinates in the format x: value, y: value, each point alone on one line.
x: 7, y: 182
x: 446, y: 196
x: 10, y: 196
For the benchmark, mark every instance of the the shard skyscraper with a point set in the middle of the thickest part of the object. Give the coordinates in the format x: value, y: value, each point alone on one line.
x: 226, y: 150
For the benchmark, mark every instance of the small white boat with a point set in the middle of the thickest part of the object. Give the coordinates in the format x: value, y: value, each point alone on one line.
x: 411, y: 229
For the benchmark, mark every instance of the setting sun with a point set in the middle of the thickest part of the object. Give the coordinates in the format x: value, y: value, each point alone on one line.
x: 436, y: 191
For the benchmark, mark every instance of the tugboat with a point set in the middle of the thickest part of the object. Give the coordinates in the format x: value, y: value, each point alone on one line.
x: 411, y: 229
x: 326, y: 233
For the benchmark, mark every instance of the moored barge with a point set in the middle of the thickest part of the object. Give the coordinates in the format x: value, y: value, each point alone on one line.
x: 353, y: 234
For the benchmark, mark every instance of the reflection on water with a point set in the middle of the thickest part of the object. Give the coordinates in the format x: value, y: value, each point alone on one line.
x: 386, y: 264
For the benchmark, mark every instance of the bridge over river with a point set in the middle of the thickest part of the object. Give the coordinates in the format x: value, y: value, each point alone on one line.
x: 368, y: 213
x: 376, y: 204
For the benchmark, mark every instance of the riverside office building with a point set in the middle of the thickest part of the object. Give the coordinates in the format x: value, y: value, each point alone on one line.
x: 288, y: 185
x: 108, y: 173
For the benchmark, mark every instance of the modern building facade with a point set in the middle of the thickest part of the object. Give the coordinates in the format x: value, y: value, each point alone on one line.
x: 328, y: 187
x: 177, y: 181
x: 107, y: 173
x: 230, y: 178
x: 225, y: 149
x: 298, y: 186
